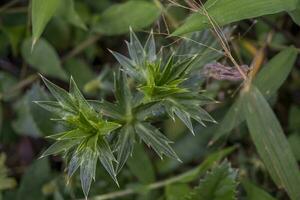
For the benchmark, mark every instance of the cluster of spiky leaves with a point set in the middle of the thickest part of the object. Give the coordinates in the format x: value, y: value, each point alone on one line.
x: 159, y: 89
x: 86, y: 137
x: 163, y: 80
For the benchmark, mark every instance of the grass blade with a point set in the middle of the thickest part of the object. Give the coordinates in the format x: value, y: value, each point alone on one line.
x: 271, y: 143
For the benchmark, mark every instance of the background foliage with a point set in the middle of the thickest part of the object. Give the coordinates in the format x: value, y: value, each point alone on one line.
x: 252, y: 152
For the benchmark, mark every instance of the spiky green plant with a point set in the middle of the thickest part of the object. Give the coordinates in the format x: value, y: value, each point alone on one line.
x: 158, y: 88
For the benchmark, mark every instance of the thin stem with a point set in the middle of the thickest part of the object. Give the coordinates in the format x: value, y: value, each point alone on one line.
x: 23, y: 83
x: 151, y: 186
x: 170, y: 18
x: 79, y: 48
x: 8, y: 5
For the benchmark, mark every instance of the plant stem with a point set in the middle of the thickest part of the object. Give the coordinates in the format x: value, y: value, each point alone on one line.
x: 8, y: 5
x: 23, y: 83
x: 151, y: 186
x: 171, y: 19
x: 78, y: 49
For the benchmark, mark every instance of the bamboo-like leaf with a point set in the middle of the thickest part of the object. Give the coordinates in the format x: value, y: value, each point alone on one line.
x: 256, y: 193
x: 42, y: 11
x: 275, y: 72
x: 219, y: 184
x: 154, y: 138
x: 268, y: 80
x: 295, y: 14
x: 271, y: 143
x: 228, y: 11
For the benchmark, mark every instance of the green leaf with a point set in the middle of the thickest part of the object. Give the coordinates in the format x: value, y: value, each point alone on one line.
x: 154, y: 138
x: 60, y: 94
x: 87, y: 170
x: 125, y: 145
x: 209, y: 162
x: 140, y: 165
x: 256, y: 193
x: 203, y: 44
x: 271, y: 143
x: 294, y: 140
x: 275, y: 72
x: 135, y: 14
x: 41, y: 13
x: 268, y: 80
x: 43, y: 58
x: 80, y: 71
x: 33, y: 180
x: 58, y: 147
x: 67, y: 11
x: 176, y: 191
x: 123, y: 94
x: 295, y: 14
x: 14, y: 34
x: 106, y: 158
x: 228, y: 11
x: 294, y: 117
x: 219, y: 184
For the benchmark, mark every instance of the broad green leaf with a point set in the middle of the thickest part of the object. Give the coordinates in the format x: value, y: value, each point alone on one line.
x: 268, y: 80
x: 119, y: 17
x: 295, y: 14
x: 219, y: 184
x: 43, y: 58
x: 256, y: 193
x: 41, y: 12
x: 33, y: 179
x: 140, y: 165
x: 155, y: 139
x: 176, y: 191
x: 224, y: 12
x: 294, y: 140
x: 271, y: 143
x: 275, y: 72
x: 209, y: 162
x: 66, y: 10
